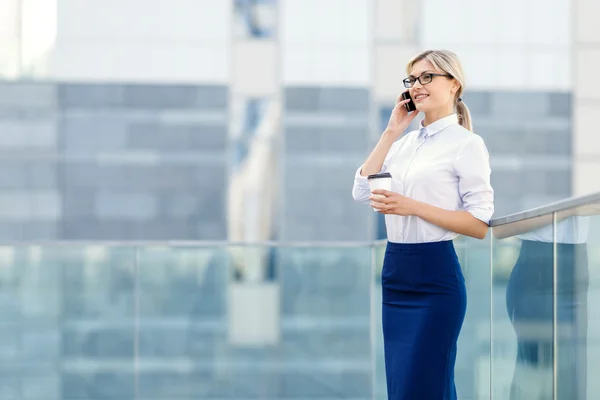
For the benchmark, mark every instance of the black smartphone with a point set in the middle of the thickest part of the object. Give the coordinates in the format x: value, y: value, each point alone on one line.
x: 410, y: 106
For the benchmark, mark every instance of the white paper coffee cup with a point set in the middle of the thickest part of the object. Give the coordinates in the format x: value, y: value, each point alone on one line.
x: 380, y: 181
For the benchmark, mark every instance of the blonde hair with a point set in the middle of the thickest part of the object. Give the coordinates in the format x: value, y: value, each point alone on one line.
x: 448, y: 62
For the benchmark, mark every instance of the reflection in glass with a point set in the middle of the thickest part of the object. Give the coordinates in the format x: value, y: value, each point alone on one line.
x: 547, y: 307
x: 255, y: 18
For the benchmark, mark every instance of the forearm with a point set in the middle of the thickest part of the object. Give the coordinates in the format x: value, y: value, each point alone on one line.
x: 375, y: 160
x: 461, y: 222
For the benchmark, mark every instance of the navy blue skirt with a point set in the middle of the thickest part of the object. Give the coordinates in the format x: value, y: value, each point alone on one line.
x: 424, y: 304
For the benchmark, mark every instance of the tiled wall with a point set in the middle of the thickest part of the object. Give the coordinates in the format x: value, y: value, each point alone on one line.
x: 326, y: 133
x: 112, y: 161
x: 528, y: 135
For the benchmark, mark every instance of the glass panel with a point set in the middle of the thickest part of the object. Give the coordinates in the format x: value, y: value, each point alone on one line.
x: 182, y: 321
x: 97, y: 328
x: 325, y: 348
x: 522, y: 316
x: 472, y: 369
x: 30, y: 322
x: 379, y: 378
x: 254, y: 322
x: 577, y: 301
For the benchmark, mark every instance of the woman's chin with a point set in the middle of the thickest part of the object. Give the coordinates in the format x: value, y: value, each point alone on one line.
x: 420, y: 108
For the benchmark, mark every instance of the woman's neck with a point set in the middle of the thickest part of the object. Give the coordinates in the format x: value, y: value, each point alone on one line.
x: 436, y: 115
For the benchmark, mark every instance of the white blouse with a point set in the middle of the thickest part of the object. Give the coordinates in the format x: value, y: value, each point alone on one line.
x: 444, y: 165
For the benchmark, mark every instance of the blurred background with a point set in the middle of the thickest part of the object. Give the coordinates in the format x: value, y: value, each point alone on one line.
x: 150, y: 148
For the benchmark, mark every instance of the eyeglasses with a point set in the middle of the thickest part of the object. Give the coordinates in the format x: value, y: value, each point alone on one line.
x: 424, y: 79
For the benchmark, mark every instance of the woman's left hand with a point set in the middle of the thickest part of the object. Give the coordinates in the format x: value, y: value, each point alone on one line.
x: 387, y: 202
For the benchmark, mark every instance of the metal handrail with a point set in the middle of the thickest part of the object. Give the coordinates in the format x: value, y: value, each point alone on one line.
x: 548, y: 209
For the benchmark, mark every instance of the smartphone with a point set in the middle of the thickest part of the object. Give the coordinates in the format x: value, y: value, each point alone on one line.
x: 410, y: 106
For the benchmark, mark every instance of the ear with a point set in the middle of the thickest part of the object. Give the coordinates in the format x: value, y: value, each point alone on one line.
x: 455, y: 86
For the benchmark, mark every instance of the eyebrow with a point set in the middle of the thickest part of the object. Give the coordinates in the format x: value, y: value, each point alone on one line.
x: 427, y: 71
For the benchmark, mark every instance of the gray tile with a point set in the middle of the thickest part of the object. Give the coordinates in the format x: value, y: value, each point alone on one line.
x: 126, y: 229
x: 141, y: 96
x: 180, y: 206
x: 24, y: 205
x: 479, y: 103
x: 14, y: 174
x: 520, y: 104
x: 42, y: 175
x: 171, y: 229
x: 126, y: 206
x: 28, y: 95
x: 92, y: 134
x: 519, y: 183
x: 27, y: 113
x: 544, y: 142
x: 150, y: 178
x: 384, y: 116
x: 78, y: 203
x: 177, y: 137
x: 80, y: 228
x: 212, y: 96
x: 211, y: 230
x: 559, y: 142
x: 94, y: 96
x: 326, y: 140
x: 561, y: 104
x: 160, y: 96
x: 344, y: 99
x: 301, y: 99
x: 27, y: 230
x: 326, y: 99
x: 23, y: 134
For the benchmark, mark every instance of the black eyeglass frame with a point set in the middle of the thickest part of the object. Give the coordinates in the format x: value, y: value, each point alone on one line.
x: 408, y: 84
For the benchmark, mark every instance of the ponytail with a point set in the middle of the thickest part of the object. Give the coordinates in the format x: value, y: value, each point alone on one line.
x: 464, y: 115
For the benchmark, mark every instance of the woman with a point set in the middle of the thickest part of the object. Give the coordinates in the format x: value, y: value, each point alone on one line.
x: 440, y: 188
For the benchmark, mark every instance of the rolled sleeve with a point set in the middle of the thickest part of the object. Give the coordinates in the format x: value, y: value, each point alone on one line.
x: 474, y: 172
x: 361, y: 190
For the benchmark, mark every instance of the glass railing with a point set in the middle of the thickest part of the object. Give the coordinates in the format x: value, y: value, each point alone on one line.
x: 295, y: 321
x: 546, y: 302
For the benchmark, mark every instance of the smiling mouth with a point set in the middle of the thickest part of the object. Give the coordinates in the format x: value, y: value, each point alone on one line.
x: 421, y: 97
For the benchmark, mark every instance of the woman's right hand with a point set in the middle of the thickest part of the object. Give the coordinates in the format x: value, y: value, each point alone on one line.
x: 400, y: 118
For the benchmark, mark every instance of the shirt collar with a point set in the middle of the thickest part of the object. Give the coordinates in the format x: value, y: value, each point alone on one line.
x: 438, y: 125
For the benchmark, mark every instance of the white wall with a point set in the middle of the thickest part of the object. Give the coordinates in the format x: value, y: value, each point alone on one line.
x: 586, y: 137
x: 9, y: 39
x: 326, y: 42
x: 142, y: 40
x: 513, y: 44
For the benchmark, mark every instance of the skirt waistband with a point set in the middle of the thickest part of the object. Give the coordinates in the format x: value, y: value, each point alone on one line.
x: 421, y: 247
